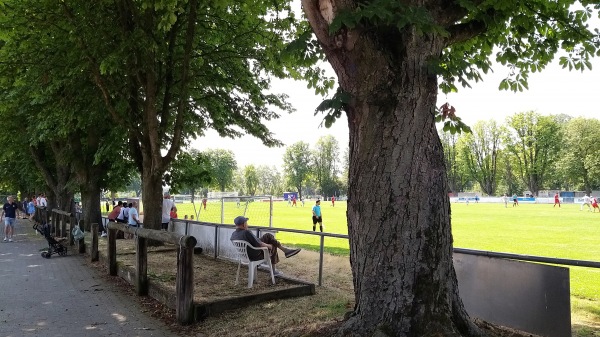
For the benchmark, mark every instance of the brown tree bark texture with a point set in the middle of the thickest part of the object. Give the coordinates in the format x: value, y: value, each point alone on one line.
x: 398, y: 206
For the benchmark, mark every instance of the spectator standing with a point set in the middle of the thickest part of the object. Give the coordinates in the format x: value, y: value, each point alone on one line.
x: 31, y: 208
x: 107, y: 206
x: 112, y: 216
x: 167, y: 206
x: 134, y: 220
x: 78, y: 212
x: 9, y: 212
x: 43, y: 202
x: 122, y: 217
x: 133, y: 217
x: 173, y: 213
x: 23, y: 209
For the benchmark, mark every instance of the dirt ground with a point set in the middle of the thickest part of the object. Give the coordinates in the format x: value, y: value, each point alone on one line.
x: 317, y: 315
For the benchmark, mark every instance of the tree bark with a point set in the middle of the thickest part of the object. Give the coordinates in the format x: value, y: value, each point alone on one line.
x: 398, y: 206
x: 90, y: 203
x: 51, y: 163
x: 152, y: 198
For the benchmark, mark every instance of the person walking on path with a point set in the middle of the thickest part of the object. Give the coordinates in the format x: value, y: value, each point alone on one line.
x: 556, y: 200
x: 317, y: 216
x: 9, y: 213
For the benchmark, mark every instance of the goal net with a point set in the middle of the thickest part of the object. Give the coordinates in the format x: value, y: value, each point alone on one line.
x: 259, y: 209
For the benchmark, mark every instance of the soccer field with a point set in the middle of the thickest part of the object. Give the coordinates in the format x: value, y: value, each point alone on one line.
x: 531, y: 229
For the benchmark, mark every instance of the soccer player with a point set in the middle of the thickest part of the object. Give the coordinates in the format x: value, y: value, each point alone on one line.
x: 586, y: 202
x: 317, y: 216
x: 515, y: 200
x: 556, y: 200
x: 595, y: 204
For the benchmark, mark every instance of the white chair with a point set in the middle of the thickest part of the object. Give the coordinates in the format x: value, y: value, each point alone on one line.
x: 242, y: 253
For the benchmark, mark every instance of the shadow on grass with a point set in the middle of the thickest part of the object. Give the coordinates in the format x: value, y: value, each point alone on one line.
x: 590, y: 307
x: 329, y: 250
x: 580, y: 330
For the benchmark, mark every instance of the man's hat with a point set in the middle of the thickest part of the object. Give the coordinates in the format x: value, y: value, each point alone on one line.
x: 240, y: 220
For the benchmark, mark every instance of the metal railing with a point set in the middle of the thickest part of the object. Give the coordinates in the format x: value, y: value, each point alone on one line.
x: 323, y: 235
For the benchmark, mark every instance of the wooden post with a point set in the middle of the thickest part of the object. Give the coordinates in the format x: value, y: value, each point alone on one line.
x: 94, y: 249
x: 141, y: 266
x: 63, y: 227
x: 54, y: 221
x: 112, y: 252
x: 184, y: 289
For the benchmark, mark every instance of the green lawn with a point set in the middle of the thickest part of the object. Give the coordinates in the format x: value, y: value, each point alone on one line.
x: 530, y: 229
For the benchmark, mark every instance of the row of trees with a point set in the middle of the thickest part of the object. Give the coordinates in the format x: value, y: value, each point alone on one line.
x: 529, y: 152
x: 307, y: 171
x: 85, y: 84
x: 93, y: 93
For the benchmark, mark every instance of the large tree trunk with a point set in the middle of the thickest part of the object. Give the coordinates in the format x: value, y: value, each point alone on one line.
x: 50, y: 162
x: 90, y: 203
x: 152, y: 198
x: 398, y: 206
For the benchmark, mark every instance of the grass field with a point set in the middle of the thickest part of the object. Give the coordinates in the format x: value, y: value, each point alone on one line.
x: 530, y: 229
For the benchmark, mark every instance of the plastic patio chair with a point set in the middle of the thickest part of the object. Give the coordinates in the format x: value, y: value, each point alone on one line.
x: 242, y: 253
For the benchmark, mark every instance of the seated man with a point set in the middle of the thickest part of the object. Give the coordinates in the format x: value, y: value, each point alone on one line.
x: 267, y: 240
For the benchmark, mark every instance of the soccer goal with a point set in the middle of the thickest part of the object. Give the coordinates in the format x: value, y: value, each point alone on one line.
x: 259, y: 209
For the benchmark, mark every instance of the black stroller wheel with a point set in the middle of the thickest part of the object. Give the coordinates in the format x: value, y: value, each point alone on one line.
x: 45, y: 255
x: 63, y: 252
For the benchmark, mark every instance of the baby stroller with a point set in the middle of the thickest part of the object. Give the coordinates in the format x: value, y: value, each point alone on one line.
x: 54, y: 247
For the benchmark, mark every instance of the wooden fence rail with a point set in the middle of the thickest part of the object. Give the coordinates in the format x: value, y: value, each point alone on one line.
x: 184, y: 289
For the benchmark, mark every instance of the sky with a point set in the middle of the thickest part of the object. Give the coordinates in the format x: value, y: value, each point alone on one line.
x: 553, y: 91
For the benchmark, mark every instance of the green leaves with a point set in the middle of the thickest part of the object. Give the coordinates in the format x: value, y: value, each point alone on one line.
x: 525, y: 37
x: 452, y: 123
x: 333, y: 107
x: 517, y: 84
x: 386, y: 13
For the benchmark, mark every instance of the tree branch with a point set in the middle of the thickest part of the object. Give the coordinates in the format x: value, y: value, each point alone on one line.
x: 95, y: 69
x: 464, y: 31
x: 183, y: 95
x: 39, y: 157
x: 318, y: 23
